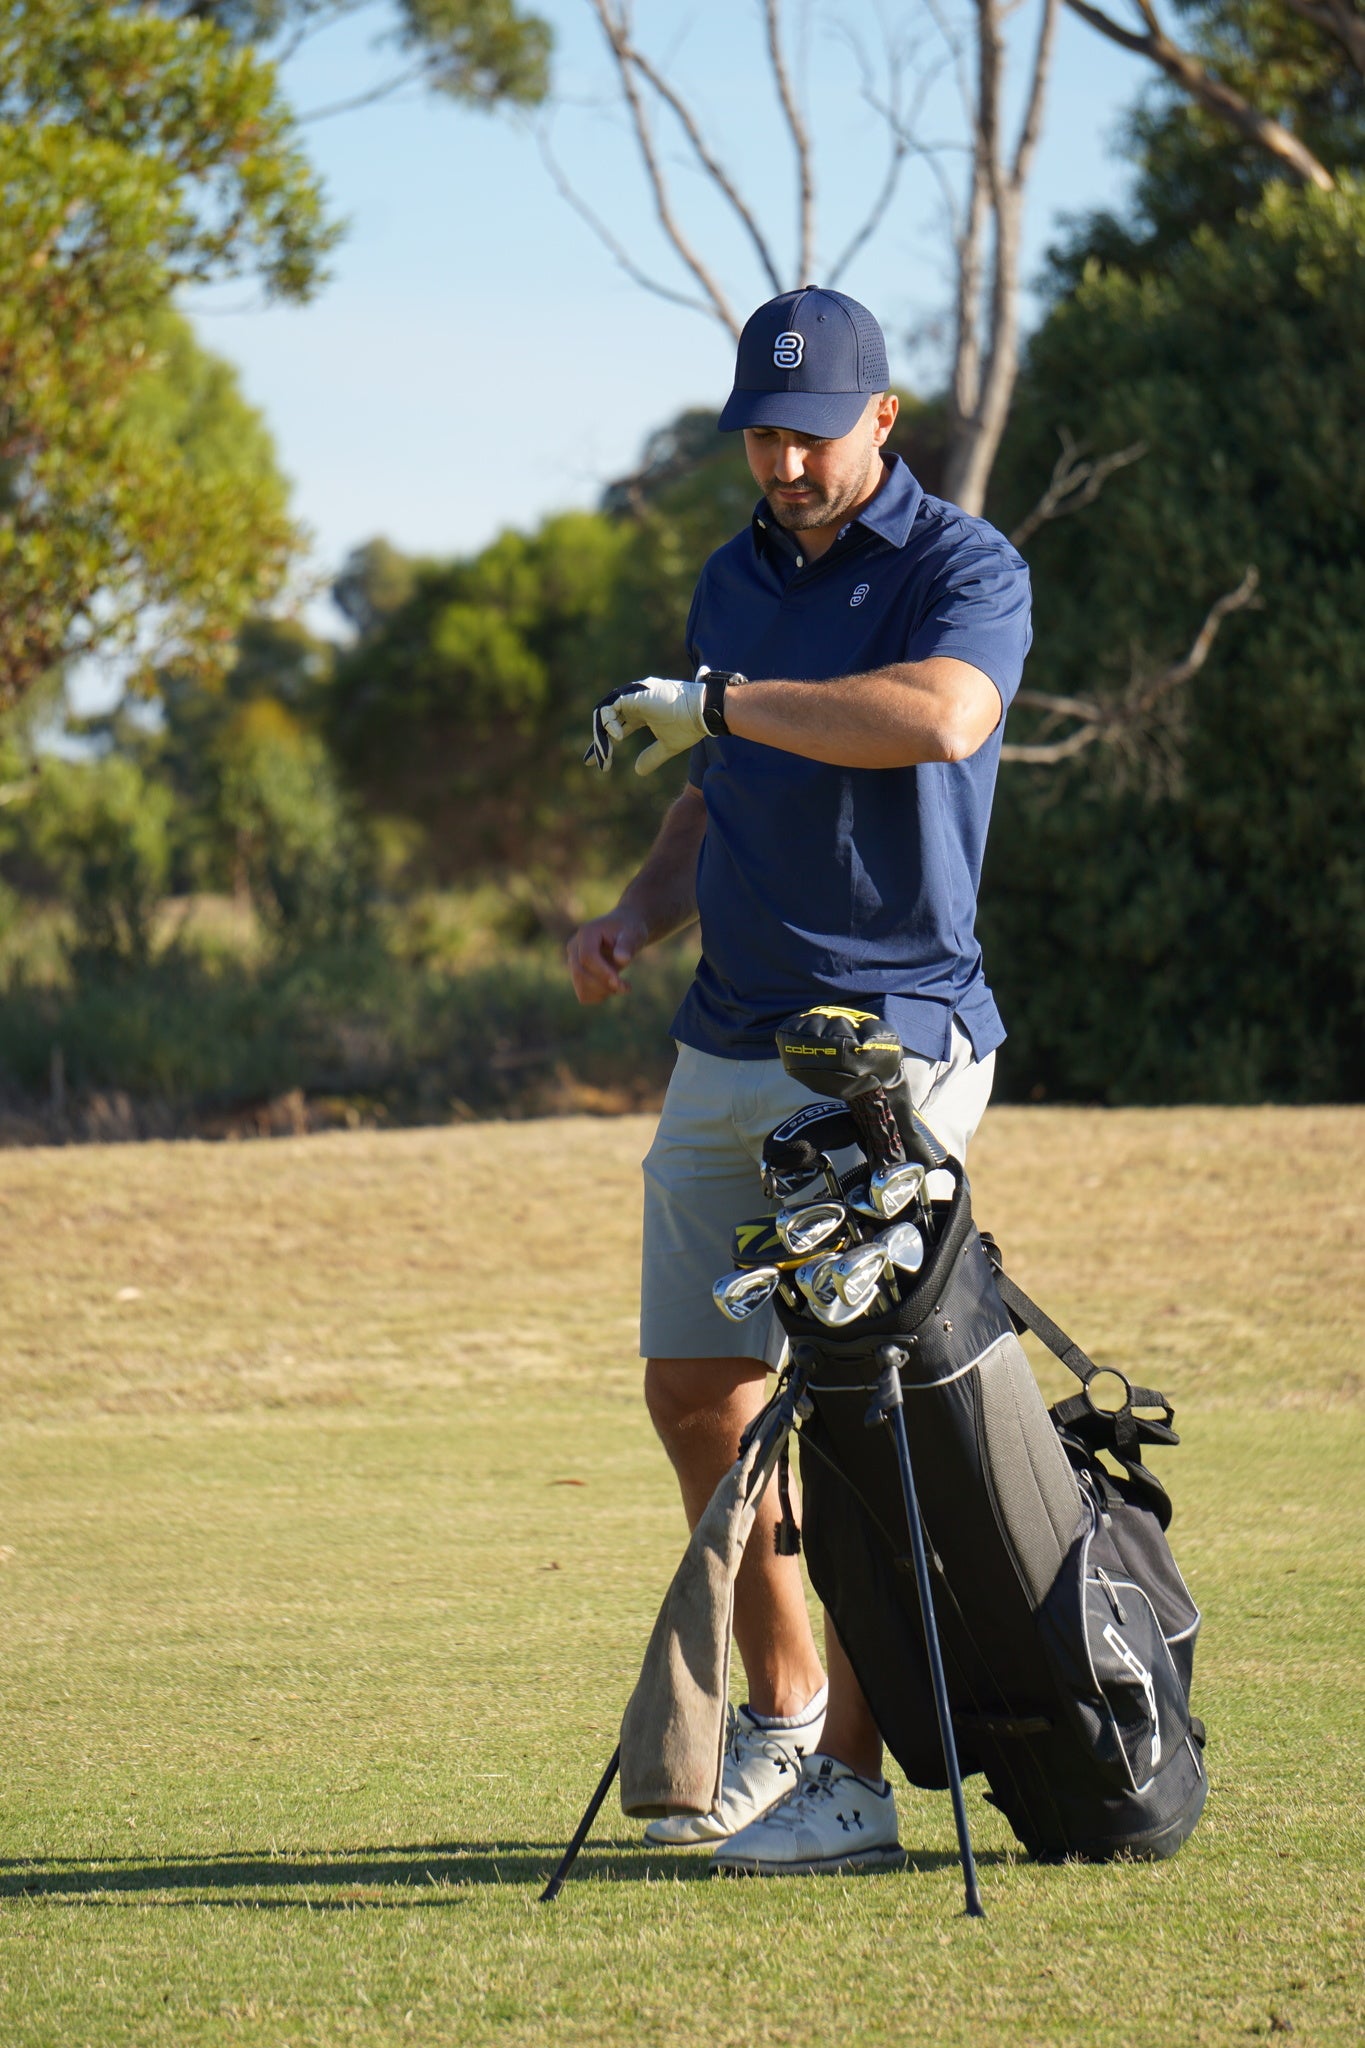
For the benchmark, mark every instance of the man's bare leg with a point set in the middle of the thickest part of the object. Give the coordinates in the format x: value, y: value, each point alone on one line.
x: 700, y: 1407
x: 850, y: 1733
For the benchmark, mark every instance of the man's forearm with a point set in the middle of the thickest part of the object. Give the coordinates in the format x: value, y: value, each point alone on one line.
x: 897, y: 717
x: 664, y: 893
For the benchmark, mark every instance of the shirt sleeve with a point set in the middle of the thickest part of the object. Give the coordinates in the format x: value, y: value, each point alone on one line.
x: 978, y: 610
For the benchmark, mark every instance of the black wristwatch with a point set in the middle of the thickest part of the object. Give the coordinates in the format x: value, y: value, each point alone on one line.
x: 718, y: 681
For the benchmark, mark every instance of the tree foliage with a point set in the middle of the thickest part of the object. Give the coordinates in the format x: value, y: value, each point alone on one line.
x: 1191, y: 169
x: 1188, y: 920
x: 482, y: 52
x: 464, y: 703
x: 138, y: 152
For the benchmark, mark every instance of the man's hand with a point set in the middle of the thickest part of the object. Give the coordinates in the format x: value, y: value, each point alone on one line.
x: 598, y: 951
x: 672, y: 712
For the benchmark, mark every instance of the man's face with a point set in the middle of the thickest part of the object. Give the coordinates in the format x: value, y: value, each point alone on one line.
x: 810, y: 482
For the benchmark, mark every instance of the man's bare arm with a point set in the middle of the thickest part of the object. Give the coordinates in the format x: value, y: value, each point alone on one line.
x: 896, y: 717
x: 661, y: 900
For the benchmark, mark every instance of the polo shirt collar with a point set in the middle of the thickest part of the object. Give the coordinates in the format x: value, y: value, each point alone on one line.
x: 890, y: 515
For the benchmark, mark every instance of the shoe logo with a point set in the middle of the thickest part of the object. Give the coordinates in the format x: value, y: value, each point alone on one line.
x: 848, y: 1825
x: 788, y: 350
x: 860, y: 593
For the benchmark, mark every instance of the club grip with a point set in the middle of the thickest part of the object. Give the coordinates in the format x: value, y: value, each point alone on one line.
x: 916, y: 1136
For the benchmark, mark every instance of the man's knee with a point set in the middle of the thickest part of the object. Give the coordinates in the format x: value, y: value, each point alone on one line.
x: 684, y: 1392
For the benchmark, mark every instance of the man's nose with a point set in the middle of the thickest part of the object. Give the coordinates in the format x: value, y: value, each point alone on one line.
x: 789, y: 468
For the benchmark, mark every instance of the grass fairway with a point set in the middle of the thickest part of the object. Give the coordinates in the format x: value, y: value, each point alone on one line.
x: 331, y: 1532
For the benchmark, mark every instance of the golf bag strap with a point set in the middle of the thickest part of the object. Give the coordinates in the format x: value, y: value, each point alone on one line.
x: 1027, y: 1315
x: 1129, y: 1431
x: 787, y: 1535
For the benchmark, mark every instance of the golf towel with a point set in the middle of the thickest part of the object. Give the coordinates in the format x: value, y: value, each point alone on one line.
x: 673, y: 1731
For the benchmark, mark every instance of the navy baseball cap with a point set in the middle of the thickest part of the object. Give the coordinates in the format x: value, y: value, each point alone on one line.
x: 808, y: 361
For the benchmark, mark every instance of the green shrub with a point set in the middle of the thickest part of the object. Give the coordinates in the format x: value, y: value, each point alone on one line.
x: 299, y: 847
x: 101, y: 830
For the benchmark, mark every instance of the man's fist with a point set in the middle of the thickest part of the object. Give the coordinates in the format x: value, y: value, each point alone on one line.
x: 673, y: 712
x: 599, y: 951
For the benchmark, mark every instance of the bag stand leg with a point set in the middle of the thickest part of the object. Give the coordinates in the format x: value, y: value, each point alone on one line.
x: 888, y: 1406
x: 580, y: 1836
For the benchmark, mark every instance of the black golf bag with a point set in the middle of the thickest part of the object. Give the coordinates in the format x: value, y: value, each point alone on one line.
x: 1067, y: 1631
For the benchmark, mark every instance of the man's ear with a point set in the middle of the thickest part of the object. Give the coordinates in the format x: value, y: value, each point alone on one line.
x: 888, y: 405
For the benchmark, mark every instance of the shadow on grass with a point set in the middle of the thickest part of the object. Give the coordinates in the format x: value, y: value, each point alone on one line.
x: 421, y: 1870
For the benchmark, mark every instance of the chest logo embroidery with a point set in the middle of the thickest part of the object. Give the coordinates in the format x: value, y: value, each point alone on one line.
x: 860, y: 593
x: 788, y: 350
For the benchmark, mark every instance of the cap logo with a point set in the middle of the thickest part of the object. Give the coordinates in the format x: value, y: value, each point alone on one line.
x: 788, y: 350
x: 860, y: 593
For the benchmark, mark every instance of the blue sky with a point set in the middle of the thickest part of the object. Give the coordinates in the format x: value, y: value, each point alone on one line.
x: 478, y: 359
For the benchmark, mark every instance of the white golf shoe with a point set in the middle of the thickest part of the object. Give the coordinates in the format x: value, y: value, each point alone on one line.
x: 760, y: 1765
x: 833, y: 1820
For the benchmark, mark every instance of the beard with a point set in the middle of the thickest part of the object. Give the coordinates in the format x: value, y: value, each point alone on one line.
x: 822, y: 508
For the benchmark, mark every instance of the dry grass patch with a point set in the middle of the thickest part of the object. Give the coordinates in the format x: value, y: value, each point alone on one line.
x: 1219, y: 1252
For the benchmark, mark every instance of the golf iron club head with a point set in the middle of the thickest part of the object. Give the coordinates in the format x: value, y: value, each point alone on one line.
x: 741, y: 1295
x: 893, y: 1188
x: 806, y: 1229
x: 856, y: 1275
x: 817, y: 1282
x: 904, y: 1246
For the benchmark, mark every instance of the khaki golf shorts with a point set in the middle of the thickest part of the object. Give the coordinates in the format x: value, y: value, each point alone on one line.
x: 702, y: 1178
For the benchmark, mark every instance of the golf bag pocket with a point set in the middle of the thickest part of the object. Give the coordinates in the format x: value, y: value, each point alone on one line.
x: 1114, y: 1668
x: 1138, y: 1538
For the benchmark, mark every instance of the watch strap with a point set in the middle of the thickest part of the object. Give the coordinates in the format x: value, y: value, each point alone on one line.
x: 718, y: 681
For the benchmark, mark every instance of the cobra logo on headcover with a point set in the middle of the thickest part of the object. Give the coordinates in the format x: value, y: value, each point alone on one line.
x: 789, y: 350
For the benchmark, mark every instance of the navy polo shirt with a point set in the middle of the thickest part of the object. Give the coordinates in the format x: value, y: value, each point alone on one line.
x: 850, y: 885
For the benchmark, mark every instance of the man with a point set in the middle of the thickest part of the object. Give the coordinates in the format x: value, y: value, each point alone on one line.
x: 854, y: 650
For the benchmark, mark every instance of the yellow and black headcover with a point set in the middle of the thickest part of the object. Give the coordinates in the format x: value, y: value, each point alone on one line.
x: 840, y: 1052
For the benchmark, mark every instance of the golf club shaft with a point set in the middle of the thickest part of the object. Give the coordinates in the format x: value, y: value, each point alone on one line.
x: 931, y: 1644
x: 570, y: 1856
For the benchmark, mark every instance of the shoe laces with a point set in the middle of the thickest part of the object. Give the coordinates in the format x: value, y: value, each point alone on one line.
x: 745, y: 1738
x: 796, y: 1806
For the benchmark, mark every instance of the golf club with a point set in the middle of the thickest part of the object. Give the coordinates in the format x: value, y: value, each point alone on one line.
x: 904, y: 1246
x: 804, y: 1230
x: 893, y: 1188
x: 856, y: 1275
x: 741, y: 1295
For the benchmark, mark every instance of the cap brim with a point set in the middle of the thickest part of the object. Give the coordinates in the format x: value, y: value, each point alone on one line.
x: 830, y: 414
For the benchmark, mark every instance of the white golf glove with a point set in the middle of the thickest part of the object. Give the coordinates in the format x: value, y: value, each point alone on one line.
x: 673, y: 712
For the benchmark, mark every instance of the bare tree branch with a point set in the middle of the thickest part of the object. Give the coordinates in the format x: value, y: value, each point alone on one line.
x: 390, y: 86
x: 986, y: 364
x: 714, y: 169
x: 616, y: 28
x: 615, y: 248
x: 904, y: 143
x: 314, y: 22
x: 1338, y: 19
x: 1097, y: 719
x: 1075, y: 483
x: 956, y: 46
x: 1211, y: 92
x: 1033, y: 117
x: 800, y: 135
